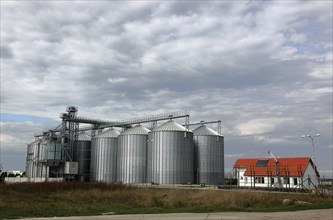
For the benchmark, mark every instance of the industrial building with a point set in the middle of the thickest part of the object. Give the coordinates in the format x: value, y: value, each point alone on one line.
x: 292, y: 173
x: 155, y: 149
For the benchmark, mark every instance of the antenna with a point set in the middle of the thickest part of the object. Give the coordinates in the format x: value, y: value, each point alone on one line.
x: 272, y: 155
x: 277, y: 172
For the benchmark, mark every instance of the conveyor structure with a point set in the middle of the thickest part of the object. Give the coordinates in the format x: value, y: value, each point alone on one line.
x: 69, y: 129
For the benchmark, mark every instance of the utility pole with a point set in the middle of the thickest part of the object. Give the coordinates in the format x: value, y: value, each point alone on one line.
x: 312, y: 137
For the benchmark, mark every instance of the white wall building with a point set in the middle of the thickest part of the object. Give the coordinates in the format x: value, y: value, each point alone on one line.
x: 298, y: 172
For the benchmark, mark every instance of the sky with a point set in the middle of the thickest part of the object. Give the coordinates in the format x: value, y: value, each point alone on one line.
x: 264, y: 68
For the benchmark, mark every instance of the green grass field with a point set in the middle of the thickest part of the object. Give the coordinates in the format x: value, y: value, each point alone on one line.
x: 77, y: 199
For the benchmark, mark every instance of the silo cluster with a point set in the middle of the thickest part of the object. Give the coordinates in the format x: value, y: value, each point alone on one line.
x: 170, y: 154
x: 167, y: 154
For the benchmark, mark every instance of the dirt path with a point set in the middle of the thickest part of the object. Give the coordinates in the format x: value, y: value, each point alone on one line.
x: 298, y: 215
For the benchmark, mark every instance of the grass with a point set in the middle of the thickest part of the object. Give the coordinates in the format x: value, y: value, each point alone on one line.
x: 70, y: 199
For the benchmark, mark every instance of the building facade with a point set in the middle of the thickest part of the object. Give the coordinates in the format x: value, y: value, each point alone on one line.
x: 294, y: 173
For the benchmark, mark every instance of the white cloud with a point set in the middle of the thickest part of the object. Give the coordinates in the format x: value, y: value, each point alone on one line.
x: 117, y: 80
x: 260, y: 126
x: 298, y: 38
x: 308, y: 94
x: 323, y: 71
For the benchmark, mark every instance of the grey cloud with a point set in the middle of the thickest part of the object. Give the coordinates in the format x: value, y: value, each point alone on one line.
x: 6, y: 53
x: 238, y: 62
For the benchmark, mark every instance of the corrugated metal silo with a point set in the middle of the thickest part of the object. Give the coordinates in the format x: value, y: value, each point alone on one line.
x: 83, y: 156
x: 43, y: 147
x: 103, y: 165
x: 132, y: 155
x: 41, y: 161
x: 208, y: 156
x: 170, y: 154
x: 32, y: 157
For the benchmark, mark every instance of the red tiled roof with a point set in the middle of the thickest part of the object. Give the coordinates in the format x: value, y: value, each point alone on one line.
x: 287, y: 166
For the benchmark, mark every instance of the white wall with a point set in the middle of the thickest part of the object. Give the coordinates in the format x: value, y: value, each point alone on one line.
x: 248, y: 181
x: 16, y: 179
x: 34, y: 180
x: 310, y: 173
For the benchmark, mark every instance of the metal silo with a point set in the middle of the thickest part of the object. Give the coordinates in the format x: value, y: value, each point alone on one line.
x: 41, y: 159
x: 103, y: 165
x: 208, y: 156
x: 43, y: 147
x: 132, y: 155
x: 32, y: 157
x: 170, y: 154
x: 83, y: 156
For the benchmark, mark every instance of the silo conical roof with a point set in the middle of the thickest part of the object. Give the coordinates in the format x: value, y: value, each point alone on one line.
x: 204, y: 131
x: 108, y: 134
x: 138, y: 129
x: 170, y: 126
x: 83, y: 137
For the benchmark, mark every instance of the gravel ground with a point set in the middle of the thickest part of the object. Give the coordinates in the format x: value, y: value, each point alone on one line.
x: 308, y: 214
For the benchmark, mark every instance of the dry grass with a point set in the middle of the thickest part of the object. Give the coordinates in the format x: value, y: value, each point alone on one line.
x: 61, y: 199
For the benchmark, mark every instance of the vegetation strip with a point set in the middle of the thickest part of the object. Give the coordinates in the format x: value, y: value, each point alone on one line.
x: 81, y: 199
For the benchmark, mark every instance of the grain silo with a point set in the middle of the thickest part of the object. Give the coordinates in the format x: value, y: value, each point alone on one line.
x: 103, y: 165
x: 42, y: 170
x: 170, y: 154
x: 208, y: 156
x: 32, y: 156
x: 83, y: 156
x: 43, y: 147
x: 132, y: 155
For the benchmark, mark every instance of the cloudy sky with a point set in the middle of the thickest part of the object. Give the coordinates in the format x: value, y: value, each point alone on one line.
x: 263, y: 67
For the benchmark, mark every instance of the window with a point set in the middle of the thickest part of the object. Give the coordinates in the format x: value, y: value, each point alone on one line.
x: 246, y: 179
x: 272, y: 180
x: 295, y: 181
x: 259, y: 180
x: 286, y: 180
x: 261, y: 163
